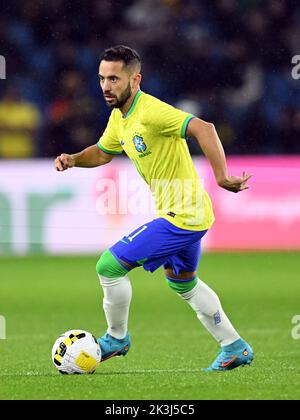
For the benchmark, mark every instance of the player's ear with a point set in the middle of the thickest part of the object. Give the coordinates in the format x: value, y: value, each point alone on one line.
x: 136, y: 80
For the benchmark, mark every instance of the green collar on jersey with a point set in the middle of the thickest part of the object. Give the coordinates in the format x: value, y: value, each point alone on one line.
x: 133, y: 104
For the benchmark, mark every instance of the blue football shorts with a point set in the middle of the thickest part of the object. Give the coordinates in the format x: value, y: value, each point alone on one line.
x: 158, y: 243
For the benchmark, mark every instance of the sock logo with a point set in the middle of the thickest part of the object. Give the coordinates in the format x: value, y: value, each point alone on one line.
x: 217, y: 318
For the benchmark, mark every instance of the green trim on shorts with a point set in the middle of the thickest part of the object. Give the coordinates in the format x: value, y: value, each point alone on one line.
x: 142, y: 262
x: 109, y: 266
x: 182, y: 286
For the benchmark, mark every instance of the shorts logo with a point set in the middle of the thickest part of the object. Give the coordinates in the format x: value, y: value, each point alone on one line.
x: 139, y: 143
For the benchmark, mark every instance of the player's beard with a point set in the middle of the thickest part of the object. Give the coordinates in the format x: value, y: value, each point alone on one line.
x: 120, y: 102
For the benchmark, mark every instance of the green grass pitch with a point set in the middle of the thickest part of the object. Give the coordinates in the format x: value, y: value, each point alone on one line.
x: 41, y: 297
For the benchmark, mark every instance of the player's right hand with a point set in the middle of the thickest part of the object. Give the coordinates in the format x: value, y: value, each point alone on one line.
x: 64, y: 162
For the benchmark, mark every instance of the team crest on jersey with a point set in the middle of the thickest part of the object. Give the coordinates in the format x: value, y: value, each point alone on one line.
x: 139, y: 143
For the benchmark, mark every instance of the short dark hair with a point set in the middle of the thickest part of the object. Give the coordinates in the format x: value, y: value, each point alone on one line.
x: 127, y: 55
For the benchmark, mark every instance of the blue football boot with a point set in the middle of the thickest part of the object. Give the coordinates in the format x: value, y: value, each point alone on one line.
x: 111, y: 346
x: 230, y: 357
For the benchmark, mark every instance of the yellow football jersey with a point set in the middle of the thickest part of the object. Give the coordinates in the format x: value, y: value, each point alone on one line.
x: 152, y: 134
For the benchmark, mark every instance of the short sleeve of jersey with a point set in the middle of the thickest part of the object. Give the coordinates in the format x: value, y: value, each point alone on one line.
x: 109, y: 142
x: 170, y: 121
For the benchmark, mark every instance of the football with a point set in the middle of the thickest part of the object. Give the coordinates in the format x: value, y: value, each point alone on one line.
x: 76, y: 352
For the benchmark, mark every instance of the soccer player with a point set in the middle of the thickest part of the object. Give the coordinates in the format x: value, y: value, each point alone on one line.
x: 153, y: 135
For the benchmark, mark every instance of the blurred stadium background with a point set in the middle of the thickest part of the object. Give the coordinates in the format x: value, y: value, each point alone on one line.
x: 227, y: 61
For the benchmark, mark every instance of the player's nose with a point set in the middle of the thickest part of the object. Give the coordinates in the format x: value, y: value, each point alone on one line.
x: 106, y: 86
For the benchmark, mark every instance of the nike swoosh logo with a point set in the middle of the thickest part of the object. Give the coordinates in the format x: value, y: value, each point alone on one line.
x: 226, y: 364
x: 112, y: 355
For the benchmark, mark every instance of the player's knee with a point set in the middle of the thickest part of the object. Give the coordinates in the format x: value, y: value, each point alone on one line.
x: 100, y: 266
x: 180, y: 285
x: 108, y: 266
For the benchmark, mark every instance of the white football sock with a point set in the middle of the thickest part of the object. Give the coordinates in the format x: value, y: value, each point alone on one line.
x: 209, y: 311
x: 116, y: 301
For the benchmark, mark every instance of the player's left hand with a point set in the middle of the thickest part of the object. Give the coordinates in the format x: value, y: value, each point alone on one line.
x: 235, y: 183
